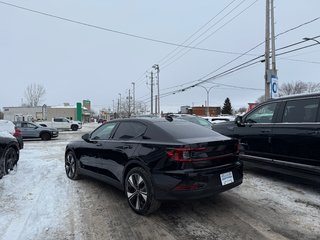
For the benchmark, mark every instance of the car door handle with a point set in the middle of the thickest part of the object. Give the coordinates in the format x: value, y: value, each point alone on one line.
x: 99, y: 144
x: 266, y: 131
x: 312, y: 132
x: 123, y: 147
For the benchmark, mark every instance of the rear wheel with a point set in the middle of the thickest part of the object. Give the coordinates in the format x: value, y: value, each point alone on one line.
x: 139, y: 192
x: 71, y: 166
x: 74, y: 127
x: 45, y: 136
x: 10, y: 159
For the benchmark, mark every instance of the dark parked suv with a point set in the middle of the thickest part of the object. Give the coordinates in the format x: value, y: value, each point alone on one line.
x: 281, y: 134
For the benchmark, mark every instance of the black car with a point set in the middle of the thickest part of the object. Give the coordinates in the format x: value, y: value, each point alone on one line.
x: 281, y: 135
x: 194, y: 119
x: 154, y: 159
x: 34, y: 130
x: 9, y: 153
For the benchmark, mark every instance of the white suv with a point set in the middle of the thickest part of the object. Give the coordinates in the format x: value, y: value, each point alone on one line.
x: 9, y: 127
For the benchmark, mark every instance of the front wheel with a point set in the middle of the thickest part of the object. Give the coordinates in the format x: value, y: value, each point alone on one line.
x: 74, y: 127
x: 10, y: 159
x: 45, y: 136
x: 71, y: 166
x: 139, y: 192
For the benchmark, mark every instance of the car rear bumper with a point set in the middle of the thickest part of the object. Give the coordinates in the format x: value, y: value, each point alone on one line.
x: 174, y: 185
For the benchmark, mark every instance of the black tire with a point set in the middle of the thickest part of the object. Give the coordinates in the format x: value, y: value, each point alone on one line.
x: 71, y: 166
x: 139, y: 192
x: 11, y: 157
x: 45, y: 136
x: 74, y: 127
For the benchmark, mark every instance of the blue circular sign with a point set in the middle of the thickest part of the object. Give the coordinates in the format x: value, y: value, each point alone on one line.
x: 274, y: 87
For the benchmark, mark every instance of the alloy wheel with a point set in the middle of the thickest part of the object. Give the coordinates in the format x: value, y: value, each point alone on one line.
x: 10, y: 160
x: 137, y: 192
x: 70, y: 165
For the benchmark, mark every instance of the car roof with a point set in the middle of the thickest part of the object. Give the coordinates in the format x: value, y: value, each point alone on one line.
x: 295, y: 96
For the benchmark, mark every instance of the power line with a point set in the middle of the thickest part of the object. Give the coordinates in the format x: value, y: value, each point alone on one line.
x: 114, y: 31
x: 234, y: 69
x: 188, y: 50
x: 202, y: 27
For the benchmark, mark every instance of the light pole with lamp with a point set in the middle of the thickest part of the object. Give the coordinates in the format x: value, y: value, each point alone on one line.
x: 208, y: 92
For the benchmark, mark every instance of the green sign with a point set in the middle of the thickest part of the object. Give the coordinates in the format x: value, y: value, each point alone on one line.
x: 79, y: 111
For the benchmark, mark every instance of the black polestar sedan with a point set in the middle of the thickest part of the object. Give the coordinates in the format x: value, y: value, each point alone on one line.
x: 155, y: 159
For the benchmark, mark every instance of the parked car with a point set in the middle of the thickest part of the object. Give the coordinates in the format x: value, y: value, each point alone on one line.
x: 34, y: 130
x: 219, y: 119
x: 154, y: 159
x: 9, y: 152
x: 194, y: 119
x: 8, y: 126
x: 101, y: 120
x: 282, y: 135
x: 62, y: 123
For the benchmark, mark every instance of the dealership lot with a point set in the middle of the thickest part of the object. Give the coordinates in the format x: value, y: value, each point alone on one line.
x: 38, y: 201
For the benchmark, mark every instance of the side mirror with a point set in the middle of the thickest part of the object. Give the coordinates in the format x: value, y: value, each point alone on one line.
x: 239, y: 121
x: 86, y: 137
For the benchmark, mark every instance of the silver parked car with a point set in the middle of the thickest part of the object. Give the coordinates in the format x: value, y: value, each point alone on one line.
x: 34, y: 130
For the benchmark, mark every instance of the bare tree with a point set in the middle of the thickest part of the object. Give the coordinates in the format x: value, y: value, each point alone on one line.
x: 298, y: 87
x: 127, y: 109
x: 260, y: 99
x: 294, y: 88
x: 34, y: 94
x: 313, y: 87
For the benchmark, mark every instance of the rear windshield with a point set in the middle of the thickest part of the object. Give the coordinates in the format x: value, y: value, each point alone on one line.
x: 180, y: 129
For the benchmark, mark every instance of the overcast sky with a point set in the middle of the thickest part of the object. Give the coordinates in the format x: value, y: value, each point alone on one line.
x: 107, y: 45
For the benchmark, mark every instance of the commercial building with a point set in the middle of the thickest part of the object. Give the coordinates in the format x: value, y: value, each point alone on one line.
x: 45, y: 112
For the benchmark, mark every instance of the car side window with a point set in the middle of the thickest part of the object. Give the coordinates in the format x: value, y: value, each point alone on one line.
x: 301, y: 110
x: 29, y: 125
x: 263, y: 114
x: 129, y: 130
x: 103, y: 132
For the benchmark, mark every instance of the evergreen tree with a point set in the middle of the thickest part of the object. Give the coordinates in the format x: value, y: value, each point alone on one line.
x: 227, y: 108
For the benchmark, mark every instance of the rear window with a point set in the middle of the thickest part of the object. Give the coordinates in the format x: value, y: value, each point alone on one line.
x: 182, y: 129
x: 301, y: 111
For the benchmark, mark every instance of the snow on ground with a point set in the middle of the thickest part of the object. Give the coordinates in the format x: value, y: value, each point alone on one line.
x: 28, y: 199
x: 38, y: 201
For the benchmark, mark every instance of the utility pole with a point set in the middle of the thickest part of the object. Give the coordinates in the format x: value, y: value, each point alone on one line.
x: 129, y: 114
x: 151, y: 92
x: 156, y: 67
x: 133, y: 99
x: 267, y: 53
x: 156, y: 106
x: 118, y: 107
x: 271, y: 79
x: 119, y: 104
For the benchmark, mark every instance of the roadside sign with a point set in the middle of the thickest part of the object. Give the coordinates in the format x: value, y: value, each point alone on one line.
x: 274, y: 86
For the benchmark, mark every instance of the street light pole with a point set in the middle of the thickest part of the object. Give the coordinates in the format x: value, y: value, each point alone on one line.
x: 208, y: 92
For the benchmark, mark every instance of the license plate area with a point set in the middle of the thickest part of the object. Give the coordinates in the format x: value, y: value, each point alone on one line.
x: 226, y: 178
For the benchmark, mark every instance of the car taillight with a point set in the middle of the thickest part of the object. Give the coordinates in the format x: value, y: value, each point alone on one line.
x: 183, y: 154
x: 17, y: 132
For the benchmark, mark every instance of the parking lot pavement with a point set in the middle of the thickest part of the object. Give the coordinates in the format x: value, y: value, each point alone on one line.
x: 37, y: 201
